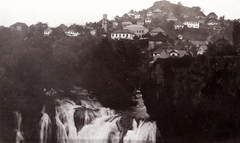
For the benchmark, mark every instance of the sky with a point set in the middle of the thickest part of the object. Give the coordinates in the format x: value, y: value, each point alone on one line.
x: 56, y: 12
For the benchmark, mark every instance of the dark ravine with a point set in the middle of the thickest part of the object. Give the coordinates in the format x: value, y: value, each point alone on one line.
x: 195, y: 99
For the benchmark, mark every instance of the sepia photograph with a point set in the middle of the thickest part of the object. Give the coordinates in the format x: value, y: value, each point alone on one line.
x: 119, y: 71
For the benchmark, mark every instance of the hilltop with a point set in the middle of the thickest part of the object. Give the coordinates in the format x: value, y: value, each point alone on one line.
x: 175, y: 19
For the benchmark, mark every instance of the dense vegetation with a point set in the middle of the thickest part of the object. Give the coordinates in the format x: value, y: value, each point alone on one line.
x: 32, y: 64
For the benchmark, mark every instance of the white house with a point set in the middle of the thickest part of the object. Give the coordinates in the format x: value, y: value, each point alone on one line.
x: 71, y: 33
x: 47, y: 31
x: 192, y: 22
x: 122, y: 34
x: 178, y: 25
x: 148, y: 20
x: 137, y: 15
x: 150, y: 14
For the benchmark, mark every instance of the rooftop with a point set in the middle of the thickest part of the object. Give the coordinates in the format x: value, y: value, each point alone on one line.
x: 124, y: 31
x: 159, y: 37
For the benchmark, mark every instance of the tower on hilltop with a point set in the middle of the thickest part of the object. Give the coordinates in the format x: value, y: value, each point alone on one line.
x: 104, y: 22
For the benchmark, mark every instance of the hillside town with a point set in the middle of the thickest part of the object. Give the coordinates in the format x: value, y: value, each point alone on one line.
x: 172, y: 30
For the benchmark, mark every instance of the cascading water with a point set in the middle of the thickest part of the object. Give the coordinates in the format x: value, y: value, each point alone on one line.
x: 45, y: 127
x: 18, y: 119
x: 92, y: 123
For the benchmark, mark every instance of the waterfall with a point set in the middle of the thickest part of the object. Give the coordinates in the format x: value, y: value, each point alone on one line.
x: 18, y: 119
x: 89, y: 122
x: 144, y: 132
x: 66, y: 130
x: 45, y: 127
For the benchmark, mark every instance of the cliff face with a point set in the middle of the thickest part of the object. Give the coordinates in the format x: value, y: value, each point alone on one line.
x: 195, y: 97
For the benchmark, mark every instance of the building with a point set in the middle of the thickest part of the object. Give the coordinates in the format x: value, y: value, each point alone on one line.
x: 202, y: 20
x: 156, y: 40
x: 149, y: 14
x: 171, y: 17
x: 159, y: 49
x: 114, y: 24
x: 116, y: 18
x: 179, y: 45
x: 47, y: 31
x: 126, y: 23
x: 212, y: 15
x: 140, y: 22
x: 137, y: 15
x: 122, y: 34
x: 212, y: 22
x: 178, y: 25
x: 157, y: 30
x: 131, y: 13
x: 192, y: 22
x: 157, y: 13
x: 221, y: 43
x: 72, y: 32
x: 201, y: 15
x: 138, y: 30
x: 104, y: 23
x: 148, y: 20
x: 164, y: 53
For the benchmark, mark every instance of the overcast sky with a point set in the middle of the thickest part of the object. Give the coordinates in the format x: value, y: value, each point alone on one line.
x: 55, y: 12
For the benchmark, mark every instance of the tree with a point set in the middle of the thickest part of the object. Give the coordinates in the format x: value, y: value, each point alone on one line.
x: 236, y: 33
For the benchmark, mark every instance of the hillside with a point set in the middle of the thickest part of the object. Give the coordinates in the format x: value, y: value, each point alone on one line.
x: 206, y: 31
x: 167, y: 7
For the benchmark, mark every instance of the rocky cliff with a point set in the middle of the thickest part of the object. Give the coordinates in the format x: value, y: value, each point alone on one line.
x: 195, y: 98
